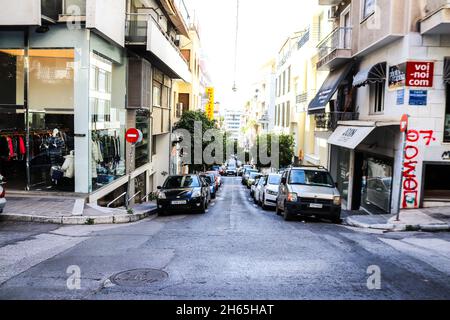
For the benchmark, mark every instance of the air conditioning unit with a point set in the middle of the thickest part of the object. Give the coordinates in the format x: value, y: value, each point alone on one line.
x: 333, y: 13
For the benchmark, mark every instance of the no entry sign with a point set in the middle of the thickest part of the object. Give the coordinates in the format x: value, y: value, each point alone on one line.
x: 404, y: 123
x: 133, y: 136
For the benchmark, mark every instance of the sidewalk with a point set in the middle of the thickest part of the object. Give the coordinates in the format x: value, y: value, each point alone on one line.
x: 71, y: 211
x: 427, y: 219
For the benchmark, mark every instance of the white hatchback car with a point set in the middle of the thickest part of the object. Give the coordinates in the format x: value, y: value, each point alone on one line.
x: 267, y: 195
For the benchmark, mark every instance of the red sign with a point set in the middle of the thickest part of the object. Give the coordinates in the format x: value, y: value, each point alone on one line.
x: 132, y: 135
x: 404, y: 123
x: 419, y: 74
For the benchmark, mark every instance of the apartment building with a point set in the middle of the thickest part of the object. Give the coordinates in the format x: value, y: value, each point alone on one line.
x: 75, y: 74
x: 388, y: 59
x: 233, y: 123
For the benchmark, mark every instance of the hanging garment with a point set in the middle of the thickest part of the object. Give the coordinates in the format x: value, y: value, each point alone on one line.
x: 4, y: 148
x: 22, y: 149
x: 10, y: 148
x: 69, y: 165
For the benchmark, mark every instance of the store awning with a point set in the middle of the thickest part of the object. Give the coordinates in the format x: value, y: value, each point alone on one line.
x: 349, y: 137
x: 447, y: 71
x: 329, y: 88
x: 374, y: 74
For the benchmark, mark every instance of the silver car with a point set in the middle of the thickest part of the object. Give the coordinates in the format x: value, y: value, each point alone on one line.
x: 267, y: 194
x: 308, y: 191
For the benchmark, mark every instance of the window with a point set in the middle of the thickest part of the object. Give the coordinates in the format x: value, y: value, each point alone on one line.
x: 157, y: 94
x: 289, y: 80
x: 447, y: 115
x: 377, y: 96
x: 283, y: 123
x: 284, y: 82
x: 368, y: 8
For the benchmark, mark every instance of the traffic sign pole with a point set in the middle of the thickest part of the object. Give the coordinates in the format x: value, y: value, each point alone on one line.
x: 404, y: 130
x: 132, y: 136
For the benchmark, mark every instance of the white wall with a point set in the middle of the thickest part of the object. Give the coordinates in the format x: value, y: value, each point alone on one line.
x: 20, y: 12
x: 108, y: 18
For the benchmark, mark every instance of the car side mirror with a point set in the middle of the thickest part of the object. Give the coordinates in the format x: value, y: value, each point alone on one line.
x: 283, y: 180
x: 159, y: 187
x: 336, y: 185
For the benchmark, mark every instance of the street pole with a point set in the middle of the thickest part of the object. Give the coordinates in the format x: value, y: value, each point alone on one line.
x: 127, y: 203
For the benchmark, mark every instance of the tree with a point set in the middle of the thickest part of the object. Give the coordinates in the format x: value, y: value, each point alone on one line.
x: 187, y: 122
x: 285, y: 145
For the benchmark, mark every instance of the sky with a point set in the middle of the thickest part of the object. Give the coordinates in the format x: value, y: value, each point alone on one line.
x: 264, y: 25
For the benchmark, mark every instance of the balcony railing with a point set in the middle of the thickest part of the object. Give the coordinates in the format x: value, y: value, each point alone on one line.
x: 329, y: 120
x: 136, y: 30
x: 339, y: 39
x: 304, y: 39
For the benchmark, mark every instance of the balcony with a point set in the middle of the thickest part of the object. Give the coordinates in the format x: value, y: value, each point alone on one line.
x: 437, y: 19
x: 303, y: 99
x: 304, y: 39
x: 142, y: 30
x: 335, y: 49
x: 329, y: 121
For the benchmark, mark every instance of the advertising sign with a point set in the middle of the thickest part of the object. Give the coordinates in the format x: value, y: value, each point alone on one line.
x: 209, y: 109
x: 397, y: 76
x: 419, y: 74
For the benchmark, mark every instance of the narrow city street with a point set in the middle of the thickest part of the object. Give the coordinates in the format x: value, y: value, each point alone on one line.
x: 234, y: 251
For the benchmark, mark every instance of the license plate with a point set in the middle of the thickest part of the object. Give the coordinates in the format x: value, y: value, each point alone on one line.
x: 316, y: 205
x: 179, y: 202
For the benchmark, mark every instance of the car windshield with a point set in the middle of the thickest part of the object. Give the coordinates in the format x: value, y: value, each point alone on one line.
x: 175, y: 182
x: 311, y: 178
x: 253, y: 175
x: 208, y: 179
x: 274, y: 179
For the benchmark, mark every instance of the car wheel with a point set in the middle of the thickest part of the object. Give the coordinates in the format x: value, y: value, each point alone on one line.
x: 277, y: 210
x: 254, y: 200
x: 263, y: 203
x: 203, y: 207
x: 161, y: 212
x: 286, y: 214
x: 213, y: 196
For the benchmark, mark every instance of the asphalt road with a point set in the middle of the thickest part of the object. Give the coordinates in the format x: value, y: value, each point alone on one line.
x: 234, y: 251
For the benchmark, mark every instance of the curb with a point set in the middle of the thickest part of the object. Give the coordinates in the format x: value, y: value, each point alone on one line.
x: 389, y: 227
x: 79, y: 220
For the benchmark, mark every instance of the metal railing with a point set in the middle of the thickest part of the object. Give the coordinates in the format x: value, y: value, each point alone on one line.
x: 329, y: 120
x: 304, y: 39
x: 339, y: 39
x: 136, y: 30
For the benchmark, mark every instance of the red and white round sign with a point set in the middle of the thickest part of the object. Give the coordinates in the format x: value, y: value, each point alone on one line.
x: 404, y: 123
x: 133, y: 136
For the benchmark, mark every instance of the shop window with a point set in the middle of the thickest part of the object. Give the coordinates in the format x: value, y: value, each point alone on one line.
x: 142, y: 149
x: 447, y: 115
x: 108, y: 122
x: 377, y: 91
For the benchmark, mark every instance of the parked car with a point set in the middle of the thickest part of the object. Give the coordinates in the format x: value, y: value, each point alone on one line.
x: 246, y: 175
x: 257, y: 187
x: 231, y: 170
x: 217, y: 178
x: 183, y: 192
x: 267, y: 195
x: 253, y: 187
x: 211, y: 180
x: 308, y: 191
x: 2, y: 194
x: 243, y: 168
x: 252, y: 178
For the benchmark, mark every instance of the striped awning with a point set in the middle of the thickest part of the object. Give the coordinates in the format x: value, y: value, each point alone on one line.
x: 374, y: 74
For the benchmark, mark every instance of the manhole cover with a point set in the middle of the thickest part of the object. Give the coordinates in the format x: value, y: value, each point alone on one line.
x: 138, y: 277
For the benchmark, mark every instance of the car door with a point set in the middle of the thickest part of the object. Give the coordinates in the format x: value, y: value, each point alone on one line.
x: 282, y: 190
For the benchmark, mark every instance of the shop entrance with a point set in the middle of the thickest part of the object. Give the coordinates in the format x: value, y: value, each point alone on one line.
x: 372, y: 190
x: 436, y: 186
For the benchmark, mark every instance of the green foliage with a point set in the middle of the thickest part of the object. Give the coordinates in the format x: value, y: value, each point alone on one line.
x: 286, y: 148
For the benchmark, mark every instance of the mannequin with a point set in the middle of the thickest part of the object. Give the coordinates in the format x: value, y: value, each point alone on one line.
x: 55, y: 132
x: 69, y: 165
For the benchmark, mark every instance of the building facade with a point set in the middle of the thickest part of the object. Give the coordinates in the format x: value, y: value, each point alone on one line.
x: 389, y: 58
x: 74, y: 76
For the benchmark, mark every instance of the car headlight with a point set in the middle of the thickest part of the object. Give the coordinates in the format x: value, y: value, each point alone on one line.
x: 292, y: 197
x: 196, y: 193
x: 162, y: 195
x: 337, y: 200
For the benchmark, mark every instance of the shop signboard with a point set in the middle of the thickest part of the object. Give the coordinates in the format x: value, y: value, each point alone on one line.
x: 419, y: 74
x: 209, y: 109
x: 418, y: 97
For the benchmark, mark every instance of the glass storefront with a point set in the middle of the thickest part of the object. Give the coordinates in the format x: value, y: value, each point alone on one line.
x: 142, y: 149
x: 343, y: 172
x: 377, y: 184
x: 107, y: 121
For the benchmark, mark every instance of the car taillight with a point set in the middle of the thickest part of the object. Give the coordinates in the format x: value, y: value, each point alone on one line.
x: 2, y: 192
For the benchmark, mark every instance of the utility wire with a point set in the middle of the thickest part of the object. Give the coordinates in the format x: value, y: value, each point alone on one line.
x: 236, y: 45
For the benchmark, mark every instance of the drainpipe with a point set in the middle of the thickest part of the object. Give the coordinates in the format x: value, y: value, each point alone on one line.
x: 25, y: 105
